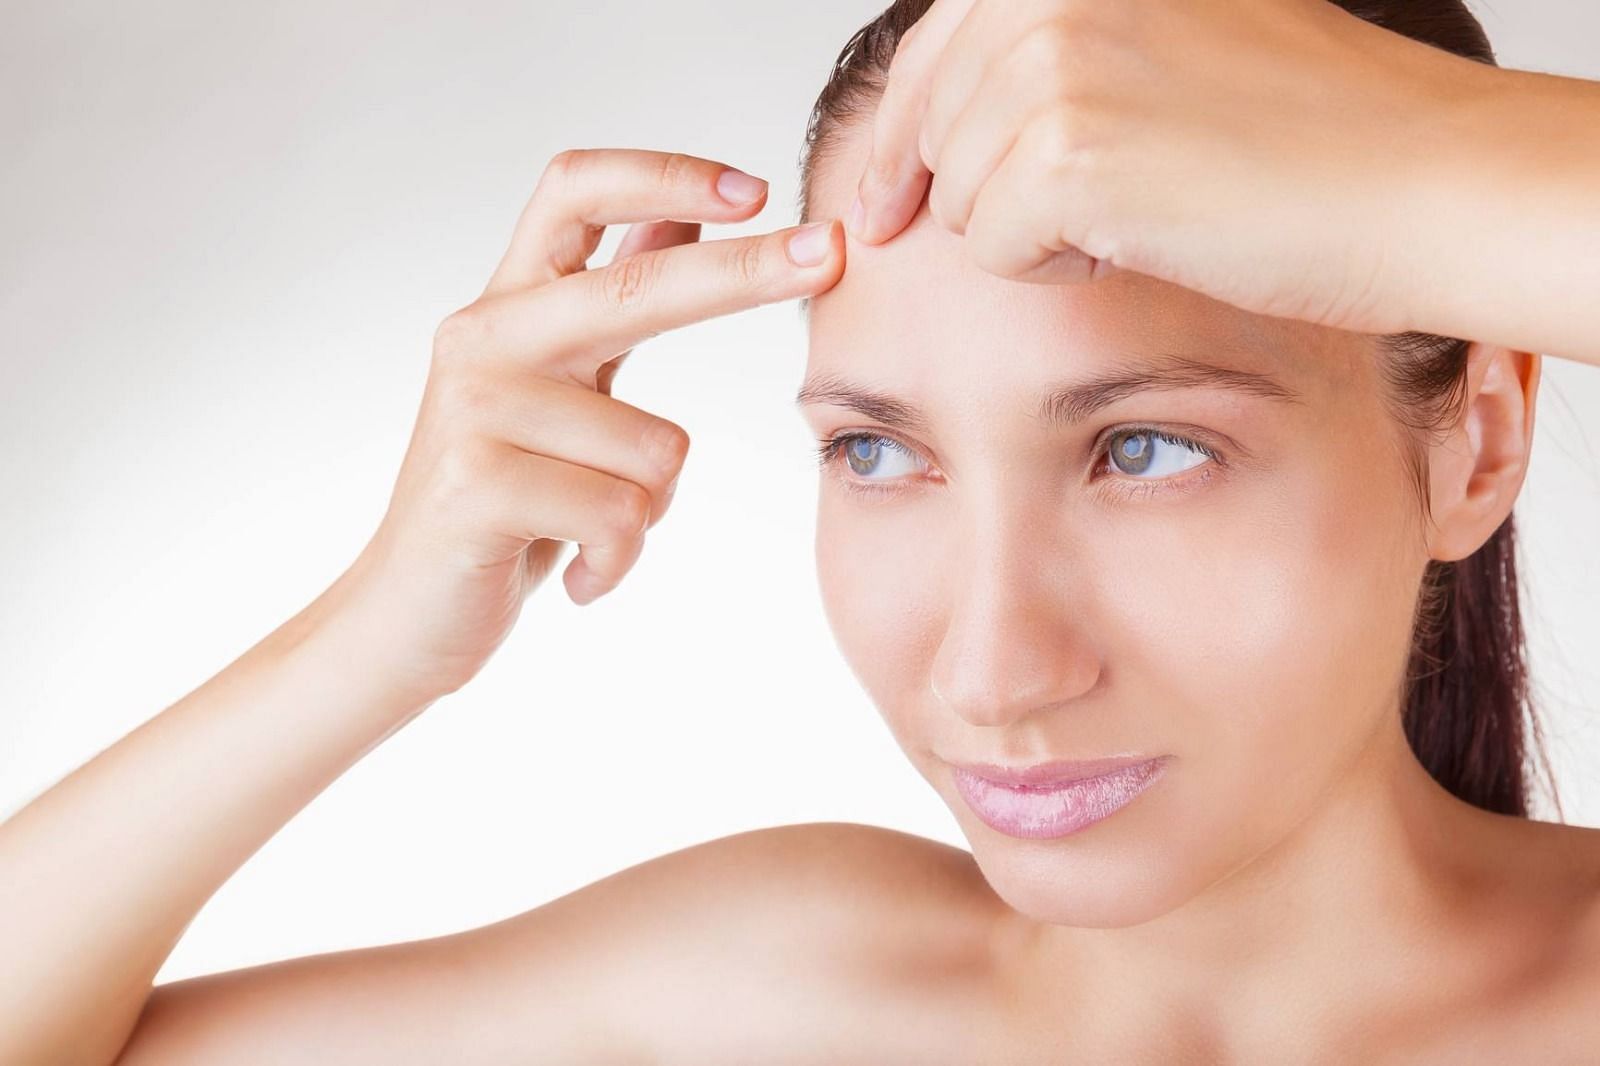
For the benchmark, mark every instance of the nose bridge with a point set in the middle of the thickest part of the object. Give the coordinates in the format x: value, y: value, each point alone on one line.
x: 1015, y: 639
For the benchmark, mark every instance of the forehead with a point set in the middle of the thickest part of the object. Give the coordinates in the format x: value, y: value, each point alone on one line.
x: 917, y: 310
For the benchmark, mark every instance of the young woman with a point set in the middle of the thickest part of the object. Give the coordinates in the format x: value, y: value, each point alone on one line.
x: 1184, y: 574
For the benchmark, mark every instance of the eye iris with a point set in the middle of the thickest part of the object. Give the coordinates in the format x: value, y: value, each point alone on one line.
x: 861, y: 453
x: 1135, y: 447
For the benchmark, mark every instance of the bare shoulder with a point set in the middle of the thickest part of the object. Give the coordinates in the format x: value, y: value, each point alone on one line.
x: 789, y: 943
x: 853, y: 868
x: 1559, y: 867
x: 1541, y: 1000
x: 796, y: 943
x: 785, y: 887
x: 1575, y: 968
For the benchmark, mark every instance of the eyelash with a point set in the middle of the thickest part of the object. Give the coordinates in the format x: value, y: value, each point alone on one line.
x: 828, y: 449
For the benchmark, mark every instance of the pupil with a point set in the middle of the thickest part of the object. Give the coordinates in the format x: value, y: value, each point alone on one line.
x: 861, y: 452
x: 1135, y: 448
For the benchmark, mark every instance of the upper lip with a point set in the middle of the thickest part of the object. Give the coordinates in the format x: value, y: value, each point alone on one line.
x: 1051, y: 773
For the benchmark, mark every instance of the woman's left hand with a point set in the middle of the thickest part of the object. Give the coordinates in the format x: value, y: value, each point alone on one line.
x: 1280, y: 155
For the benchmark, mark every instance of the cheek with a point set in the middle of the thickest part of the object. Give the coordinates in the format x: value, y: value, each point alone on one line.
x: 879, y: 593
x: 1267, y: 627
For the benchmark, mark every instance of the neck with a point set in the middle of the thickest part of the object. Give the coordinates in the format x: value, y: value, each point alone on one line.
x: 1373, y: 900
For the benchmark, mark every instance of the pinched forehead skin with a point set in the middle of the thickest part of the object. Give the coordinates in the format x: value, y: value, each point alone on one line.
x: 920, y: 290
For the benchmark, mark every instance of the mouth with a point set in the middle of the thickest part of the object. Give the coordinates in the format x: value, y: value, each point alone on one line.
x: 1054, y: 799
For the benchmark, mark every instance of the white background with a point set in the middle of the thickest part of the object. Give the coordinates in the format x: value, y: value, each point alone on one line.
x: 228, y: 234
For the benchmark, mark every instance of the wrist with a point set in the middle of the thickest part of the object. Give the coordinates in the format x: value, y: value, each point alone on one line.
x: 346, y: 631
x: 1438, y: 189
x: 1503, y: 215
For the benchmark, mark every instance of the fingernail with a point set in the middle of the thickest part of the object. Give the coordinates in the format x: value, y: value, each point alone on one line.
x: 737, y: 187
x: 809, y: 245
x: 858, y: 219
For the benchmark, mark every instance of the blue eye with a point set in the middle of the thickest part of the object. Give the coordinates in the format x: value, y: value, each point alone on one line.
x: 869, y: 456
x: 1139, y: 451
x: 1141, y: 458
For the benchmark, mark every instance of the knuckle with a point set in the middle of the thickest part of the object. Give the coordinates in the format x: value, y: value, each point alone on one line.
x: 881, y: 171
x: 1060, y: 57
x: 557, y: 177
x: 1050, y: 48
x: 628, y: 510
x: 746, y: 261
x: 667, y: 445
x: 676, y: 169
x: 460, y: 332
x: 626, y: 283
x: 563, y: 166
x: 1057, y: 140
x: 461, y: 466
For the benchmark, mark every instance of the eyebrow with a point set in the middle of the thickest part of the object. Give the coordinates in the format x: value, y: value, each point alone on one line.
x: 1064, y: 405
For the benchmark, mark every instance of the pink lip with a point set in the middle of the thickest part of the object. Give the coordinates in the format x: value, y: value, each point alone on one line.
x: 1054, y: 799
x: 1046, y: 774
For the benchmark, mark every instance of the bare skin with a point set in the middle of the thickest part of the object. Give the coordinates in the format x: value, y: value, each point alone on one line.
x: 1343, y: 907
x: 1308, y: 893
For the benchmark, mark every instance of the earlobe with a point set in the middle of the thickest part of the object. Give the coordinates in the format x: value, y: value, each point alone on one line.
x: 1477, y: 471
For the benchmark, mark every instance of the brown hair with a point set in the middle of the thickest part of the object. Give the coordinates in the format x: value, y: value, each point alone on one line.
x: 1466, y: 707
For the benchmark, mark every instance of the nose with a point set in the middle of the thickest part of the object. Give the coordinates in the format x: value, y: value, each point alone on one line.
x: 1015, y: 641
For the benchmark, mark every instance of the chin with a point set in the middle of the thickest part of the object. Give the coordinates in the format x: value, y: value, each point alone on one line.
x: 1057, y: 888
x: 1124, y: 870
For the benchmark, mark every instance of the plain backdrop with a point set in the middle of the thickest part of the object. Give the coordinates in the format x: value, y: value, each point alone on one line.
x: 228, y: 234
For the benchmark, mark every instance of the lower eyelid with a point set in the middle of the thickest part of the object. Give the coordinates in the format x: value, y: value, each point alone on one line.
x: 1128, y: 487
x: 1187, y: 481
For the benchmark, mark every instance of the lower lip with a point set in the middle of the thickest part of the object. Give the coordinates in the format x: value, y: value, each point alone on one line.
x: 1043, y: 813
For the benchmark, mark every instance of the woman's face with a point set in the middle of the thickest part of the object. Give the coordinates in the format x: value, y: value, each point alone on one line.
x: 1006, y: 594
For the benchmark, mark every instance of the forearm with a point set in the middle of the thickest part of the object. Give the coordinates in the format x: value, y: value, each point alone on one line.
x: 1509, y: 226
x: 100, y: 875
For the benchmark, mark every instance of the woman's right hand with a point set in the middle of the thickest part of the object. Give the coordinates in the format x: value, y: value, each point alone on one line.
x: 519, y: 445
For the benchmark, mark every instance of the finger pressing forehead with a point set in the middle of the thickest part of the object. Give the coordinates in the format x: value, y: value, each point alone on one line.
x: 569, y: 327
x: 894, y: 178
x: 583, y: 191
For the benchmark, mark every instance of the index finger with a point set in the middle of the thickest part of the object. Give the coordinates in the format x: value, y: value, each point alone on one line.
x: 582, y: 191
x: 895, y: 178
x: 571, y: 326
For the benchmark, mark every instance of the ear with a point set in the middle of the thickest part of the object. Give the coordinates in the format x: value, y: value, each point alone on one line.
x: 1475, y: 474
